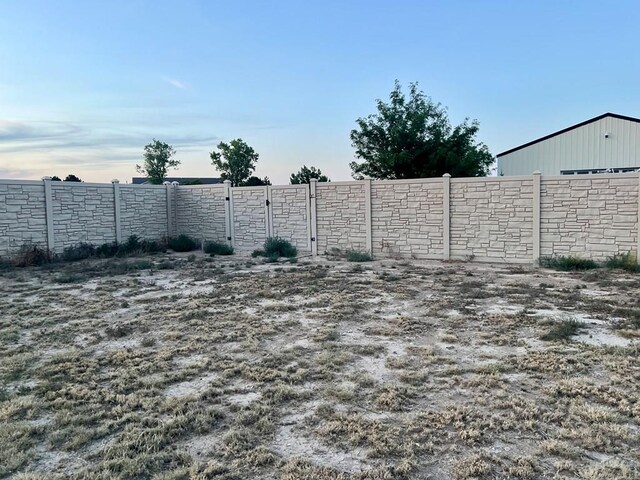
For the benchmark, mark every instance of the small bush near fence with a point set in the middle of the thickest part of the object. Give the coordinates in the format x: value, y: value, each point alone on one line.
x: 276, y: 247
x: 625, y: 261
x: 568, y: 263
x: 31, y: 256
x: 77, y: 252
x: 218, y: 248
x: 183, y: 243
x: 133, y: 246
x: 358, y: 256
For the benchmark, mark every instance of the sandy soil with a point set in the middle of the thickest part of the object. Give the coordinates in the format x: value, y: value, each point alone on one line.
x: 231, y: 368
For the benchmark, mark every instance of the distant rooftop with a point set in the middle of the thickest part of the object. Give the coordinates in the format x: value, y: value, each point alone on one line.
x: 181, y: 180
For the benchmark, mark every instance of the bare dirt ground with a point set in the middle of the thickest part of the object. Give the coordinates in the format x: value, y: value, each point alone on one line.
x: 193, y: 367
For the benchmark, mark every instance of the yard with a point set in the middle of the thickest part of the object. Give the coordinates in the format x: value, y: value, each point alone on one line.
x: 176, y: 366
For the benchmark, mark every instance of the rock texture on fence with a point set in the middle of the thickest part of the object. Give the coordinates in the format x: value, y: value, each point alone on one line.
x: 497, y: 219
x: 200, y: 212
x: 23, y: 216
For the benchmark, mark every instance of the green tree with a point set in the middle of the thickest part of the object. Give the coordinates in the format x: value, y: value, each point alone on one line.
x: 72, y: 178
x: 254, y: 181
x: 235, y: 161
x: 305, y: 174
x: 55, y: 178
x: 158, y: 159
x: 412, y: 138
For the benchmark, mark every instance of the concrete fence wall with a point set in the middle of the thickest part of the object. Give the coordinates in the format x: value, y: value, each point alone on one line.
x: 499, y: 219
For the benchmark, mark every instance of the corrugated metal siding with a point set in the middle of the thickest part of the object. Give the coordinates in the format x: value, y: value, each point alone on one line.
x: 581, y: 148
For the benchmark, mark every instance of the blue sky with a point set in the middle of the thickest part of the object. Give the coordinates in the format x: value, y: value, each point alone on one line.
x: 85, y: 85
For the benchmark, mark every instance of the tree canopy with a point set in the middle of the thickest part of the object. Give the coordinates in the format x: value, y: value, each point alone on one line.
x: 158, y: 159
x: 72, y: 178
x: 235, y: 161
x: 254, y: 181
x: 413, y: 138
x: 305, y: 174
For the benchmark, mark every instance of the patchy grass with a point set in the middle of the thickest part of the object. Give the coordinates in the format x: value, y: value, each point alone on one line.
x: 177, y: 367
x: 358, y: 256
x: 563, y: 330
x: 568, y: 263
x: 625, y: 261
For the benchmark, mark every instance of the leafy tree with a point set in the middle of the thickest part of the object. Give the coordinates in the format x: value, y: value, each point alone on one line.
x: 412, y: 138
x: 254, y: 181
x: 304, y: 175
x: 55, y: 178
x: 72, y: 178
x: 195, y: 181
x: 235, y: 161
x: 158, y: 159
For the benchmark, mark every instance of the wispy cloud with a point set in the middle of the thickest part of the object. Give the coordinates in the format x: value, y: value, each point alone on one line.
x: 176, y: 83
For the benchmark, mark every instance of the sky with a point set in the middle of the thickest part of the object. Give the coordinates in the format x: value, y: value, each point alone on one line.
x: 85, y: 85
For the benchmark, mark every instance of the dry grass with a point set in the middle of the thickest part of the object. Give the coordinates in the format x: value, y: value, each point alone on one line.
x: 180, y: 367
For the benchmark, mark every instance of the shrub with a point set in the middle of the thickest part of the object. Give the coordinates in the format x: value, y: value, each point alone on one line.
x: 218, y: 248
x: 625, y: 261
x: 358, y: 256
x: 278, y: 247
x: 258, y: 253
x: 107, y: 250
x: 152, y: 246
x: 182, y: 243
x: 568, y: 263
x: 81, y: 251
x: 32, y: 255
x: 563, y: 330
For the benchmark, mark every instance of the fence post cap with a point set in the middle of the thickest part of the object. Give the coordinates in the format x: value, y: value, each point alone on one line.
x: 175, y: 183
x: 115, y: 180
x: 537, y: 172
x: 46, y: 178
x: 313, y: 179
x: 227, y: 182
x: 447, y: 175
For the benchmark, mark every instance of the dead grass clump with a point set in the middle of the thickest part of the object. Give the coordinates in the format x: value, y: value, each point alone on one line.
x: 611, y: 470
x: 474, y: 466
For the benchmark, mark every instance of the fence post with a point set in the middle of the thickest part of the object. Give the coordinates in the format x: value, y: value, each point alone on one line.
x: 313, y: 219
x: 367, y: 214
x: 227, y: 211
x: 116, y: 209
x: 638, y: 225
x: 268, y: 217
x: 536, y: 216
x: 48, y: 206
x: 167, y: 188
x: 446, y: 216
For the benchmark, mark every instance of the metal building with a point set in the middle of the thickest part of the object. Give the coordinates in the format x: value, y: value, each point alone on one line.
x: 607, y: 143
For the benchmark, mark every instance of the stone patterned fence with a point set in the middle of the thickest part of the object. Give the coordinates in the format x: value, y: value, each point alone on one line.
x: 407, y: 218
x: 341, y: 216
x: 23, y: 215
x: 200, y: 212
x: 56, y: 215
x: 496, y: 219
x: 492, y: 219
x: 591, y: 216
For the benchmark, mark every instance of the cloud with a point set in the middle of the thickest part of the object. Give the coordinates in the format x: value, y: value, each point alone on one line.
x: 42, y: 136
x: 176, y: 83
x: 18, y: 131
